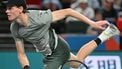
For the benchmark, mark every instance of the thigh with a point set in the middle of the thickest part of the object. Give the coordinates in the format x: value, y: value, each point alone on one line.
x: 59, y: 56
x: 53, y: 63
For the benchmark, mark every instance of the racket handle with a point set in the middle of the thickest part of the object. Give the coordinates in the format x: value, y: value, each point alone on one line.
x: 26, y: 67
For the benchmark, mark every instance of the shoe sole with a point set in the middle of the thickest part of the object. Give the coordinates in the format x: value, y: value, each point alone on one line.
x: 115, y: 29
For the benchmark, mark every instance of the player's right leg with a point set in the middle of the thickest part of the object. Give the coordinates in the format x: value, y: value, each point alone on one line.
x: 59, y: 56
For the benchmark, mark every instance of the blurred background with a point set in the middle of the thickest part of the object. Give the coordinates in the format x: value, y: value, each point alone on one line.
x: 107, y: 56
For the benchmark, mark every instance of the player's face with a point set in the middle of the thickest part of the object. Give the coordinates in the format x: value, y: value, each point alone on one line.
x: 13, y: 13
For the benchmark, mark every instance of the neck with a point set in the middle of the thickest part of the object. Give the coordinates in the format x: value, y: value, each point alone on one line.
x: 23, y: 19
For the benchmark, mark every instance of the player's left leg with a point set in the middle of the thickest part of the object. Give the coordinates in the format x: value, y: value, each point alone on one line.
x: 90, y: 46
x: 83, y: 53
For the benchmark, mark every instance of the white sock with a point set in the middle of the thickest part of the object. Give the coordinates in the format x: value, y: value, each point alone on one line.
x: 103, y: 37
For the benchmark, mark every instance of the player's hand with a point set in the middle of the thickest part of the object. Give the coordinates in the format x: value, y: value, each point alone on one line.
x: 100, y: 24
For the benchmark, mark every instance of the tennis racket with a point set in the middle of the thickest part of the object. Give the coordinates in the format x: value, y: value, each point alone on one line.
x: 74, y: 64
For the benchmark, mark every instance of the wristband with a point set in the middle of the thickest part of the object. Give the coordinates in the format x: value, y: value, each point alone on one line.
x: 26, y: 67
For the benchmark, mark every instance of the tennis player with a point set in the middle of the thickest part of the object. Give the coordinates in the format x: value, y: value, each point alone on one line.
x: 34, y: 26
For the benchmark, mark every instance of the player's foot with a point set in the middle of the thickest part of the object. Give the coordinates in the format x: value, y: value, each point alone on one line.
x: 110, y: 31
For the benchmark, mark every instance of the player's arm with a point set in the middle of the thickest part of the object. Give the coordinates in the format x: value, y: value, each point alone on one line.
x: 60, y: 14
x: 22, y: 55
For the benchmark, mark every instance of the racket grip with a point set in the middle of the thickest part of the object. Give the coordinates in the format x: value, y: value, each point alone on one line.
x: 26, y: 67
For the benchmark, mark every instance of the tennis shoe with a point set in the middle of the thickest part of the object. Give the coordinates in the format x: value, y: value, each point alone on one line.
x: 110, y: 31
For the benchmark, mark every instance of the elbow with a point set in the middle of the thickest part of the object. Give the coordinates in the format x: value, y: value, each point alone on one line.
x: 69, y: 11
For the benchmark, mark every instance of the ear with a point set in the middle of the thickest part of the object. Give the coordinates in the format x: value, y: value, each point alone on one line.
x: 21, y: 9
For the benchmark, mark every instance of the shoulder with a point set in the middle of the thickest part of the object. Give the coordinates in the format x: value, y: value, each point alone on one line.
x: 39, y: 12
x: 43, y: 16
x: 13, y: 26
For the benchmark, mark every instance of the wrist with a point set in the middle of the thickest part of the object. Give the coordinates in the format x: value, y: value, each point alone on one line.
x: 92, y: 23
x: 26, y: 67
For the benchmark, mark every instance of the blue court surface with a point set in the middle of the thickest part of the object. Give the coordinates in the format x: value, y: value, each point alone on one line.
x: 8, y: 60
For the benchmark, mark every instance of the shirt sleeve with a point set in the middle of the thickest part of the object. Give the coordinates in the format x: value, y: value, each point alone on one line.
x: 13, y: 29
x: 41, y: 17
x: 46, y: 16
